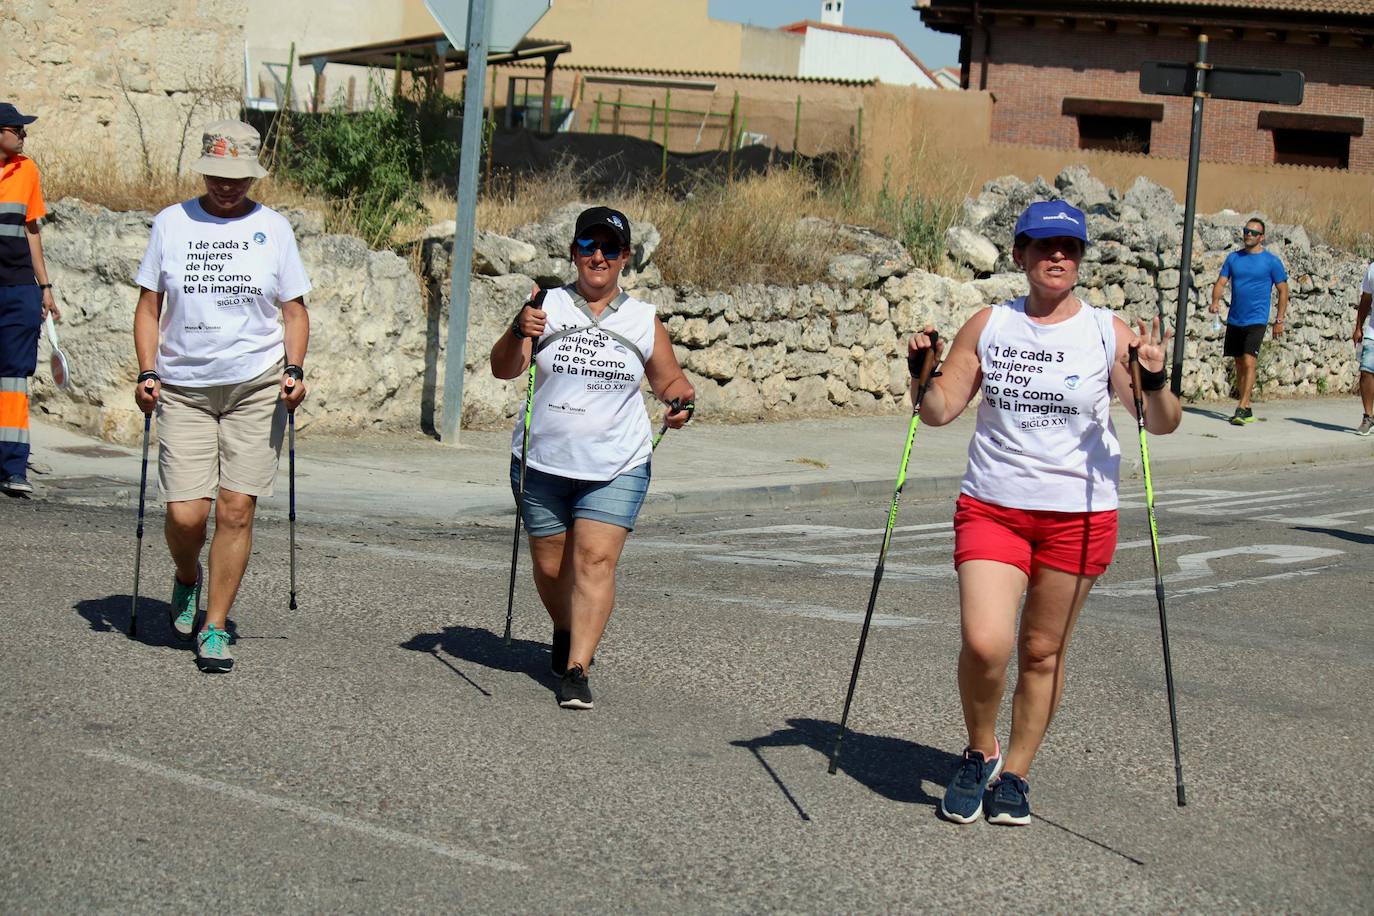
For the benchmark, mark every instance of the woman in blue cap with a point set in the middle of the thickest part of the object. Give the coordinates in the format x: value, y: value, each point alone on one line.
x: 1036, y: 515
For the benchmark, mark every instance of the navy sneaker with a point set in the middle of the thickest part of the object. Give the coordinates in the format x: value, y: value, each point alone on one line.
x: 963, y: 802
x: 573, y: 691
x: 1008, y: 801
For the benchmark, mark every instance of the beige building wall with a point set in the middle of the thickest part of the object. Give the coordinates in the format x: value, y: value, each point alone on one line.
x: 324, y: 25
x: 94, y: 71
x: 664, y: 34
x: 770, y: 51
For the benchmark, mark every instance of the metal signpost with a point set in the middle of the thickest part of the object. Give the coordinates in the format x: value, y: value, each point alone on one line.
x: 478, y: 26
x: 1202, y: 81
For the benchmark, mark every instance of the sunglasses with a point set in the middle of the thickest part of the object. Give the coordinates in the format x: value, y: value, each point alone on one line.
x: 17, y: 131
x: 587, y: 247
x: 1252, y: 232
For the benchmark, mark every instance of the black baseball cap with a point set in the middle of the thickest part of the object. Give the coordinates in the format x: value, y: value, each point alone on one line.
x: 10, y: 116
x: 614, y: 220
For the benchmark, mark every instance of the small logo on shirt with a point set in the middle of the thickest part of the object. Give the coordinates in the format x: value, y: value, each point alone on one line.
x: 260, y: 238
x: 565, y: 407
x: 201, y: 327
x: 1073, y: 382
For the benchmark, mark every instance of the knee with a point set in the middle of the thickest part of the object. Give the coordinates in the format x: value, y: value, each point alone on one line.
x: 984, y: 654
x: 595, y: 565
x: 234, y: 511
x: 1039, y: 653
x: 185, y: 521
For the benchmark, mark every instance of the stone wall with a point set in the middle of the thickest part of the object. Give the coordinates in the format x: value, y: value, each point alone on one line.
x: 378, y: 331
x: 93, y: 71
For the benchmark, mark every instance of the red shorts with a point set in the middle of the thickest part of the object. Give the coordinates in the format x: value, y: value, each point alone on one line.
x: 1078, y: 542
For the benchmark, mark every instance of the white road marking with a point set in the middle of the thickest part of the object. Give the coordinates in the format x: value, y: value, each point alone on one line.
x: 1171, y: 539
x: 1332, y: 520
x: 826, y: 531
x: 1198, y: 566
x: 816, y: 611
x: 305, y: 812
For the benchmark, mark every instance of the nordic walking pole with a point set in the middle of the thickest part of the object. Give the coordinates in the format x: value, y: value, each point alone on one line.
x: 1159, y: 579
x: 138, y: 544
x: 922, y: 372
x: 520, y: 503
x: 673, y: 407
x: 291, y: 515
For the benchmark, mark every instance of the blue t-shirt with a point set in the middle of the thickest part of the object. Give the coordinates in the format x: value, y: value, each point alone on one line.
x: 1252, y: 281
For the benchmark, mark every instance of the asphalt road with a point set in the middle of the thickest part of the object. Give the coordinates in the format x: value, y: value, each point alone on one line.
x: 380, y: 750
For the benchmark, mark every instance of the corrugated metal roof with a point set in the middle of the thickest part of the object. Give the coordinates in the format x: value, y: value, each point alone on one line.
x: 1331, y: 7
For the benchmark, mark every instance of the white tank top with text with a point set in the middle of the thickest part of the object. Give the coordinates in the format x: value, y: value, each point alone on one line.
x: 1044, y: 437
x: 588, y: 421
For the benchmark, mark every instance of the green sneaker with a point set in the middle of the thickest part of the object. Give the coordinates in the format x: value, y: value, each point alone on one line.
x: 212, y: 650
x: 183, y: 616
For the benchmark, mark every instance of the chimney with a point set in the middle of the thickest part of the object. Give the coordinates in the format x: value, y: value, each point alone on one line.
x: 832, y: 12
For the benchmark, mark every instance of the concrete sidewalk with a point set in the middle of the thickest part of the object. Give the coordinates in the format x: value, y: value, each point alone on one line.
x: 703, y: 468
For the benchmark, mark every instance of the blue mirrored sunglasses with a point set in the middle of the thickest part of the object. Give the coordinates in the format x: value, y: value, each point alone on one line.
x: 587, y: 247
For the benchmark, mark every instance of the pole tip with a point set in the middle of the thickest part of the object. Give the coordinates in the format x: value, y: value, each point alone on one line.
x: 293, y: 602
x: 1182, y: 798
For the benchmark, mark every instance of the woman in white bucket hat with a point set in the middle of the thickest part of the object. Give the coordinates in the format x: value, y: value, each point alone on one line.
x: 220, y: 370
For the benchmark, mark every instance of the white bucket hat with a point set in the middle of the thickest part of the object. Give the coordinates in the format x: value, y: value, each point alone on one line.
x: 229, y: 149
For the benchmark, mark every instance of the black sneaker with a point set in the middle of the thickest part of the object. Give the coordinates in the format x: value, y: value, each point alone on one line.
x: 573, y: 692
x: 1008, y: 802
x: 1242, y: 416
x: 558, y: 655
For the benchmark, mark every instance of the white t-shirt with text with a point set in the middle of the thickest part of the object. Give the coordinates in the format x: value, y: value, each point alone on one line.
x: 223, y: 281
x: 1367, y: 289
x: 588, y: 420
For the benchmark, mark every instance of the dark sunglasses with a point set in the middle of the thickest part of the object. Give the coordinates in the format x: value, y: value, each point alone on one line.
x: 587, y: 247
x: 18, y: 131
x: 1252, y: 232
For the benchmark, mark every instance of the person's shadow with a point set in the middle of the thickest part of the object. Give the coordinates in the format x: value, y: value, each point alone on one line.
x: 111, y: 613
x: 1210, y: 414
x: 1318, y: 424
x: 482, y: 647
x: 895, y: 768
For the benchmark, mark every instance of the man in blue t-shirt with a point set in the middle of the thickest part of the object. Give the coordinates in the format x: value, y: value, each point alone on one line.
x: 1254, y: 273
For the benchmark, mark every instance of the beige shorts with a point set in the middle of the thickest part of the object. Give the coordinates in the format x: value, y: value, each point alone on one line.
x: 223, y: 436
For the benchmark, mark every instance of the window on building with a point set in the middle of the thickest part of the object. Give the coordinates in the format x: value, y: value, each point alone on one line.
x: 1312, y: 147
x: 1113, y: 124
x: 1120, y: 135
x: 1311, y: 139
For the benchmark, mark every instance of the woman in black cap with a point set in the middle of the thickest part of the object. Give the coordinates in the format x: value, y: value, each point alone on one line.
x: 587, y: 458
x: 1036, y: 515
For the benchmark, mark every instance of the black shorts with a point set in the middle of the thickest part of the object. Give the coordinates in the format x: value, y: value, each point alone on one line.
x: 1243, y: 338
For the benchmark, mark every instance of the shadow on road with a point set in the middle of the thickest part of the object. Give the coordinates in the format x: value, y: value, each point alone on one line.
x: 1208, y: 413
x: 1356, y: 537
x: 1318, y: 424
x: 112, y: 614
x: 892, y: 767
x: 482, y: 647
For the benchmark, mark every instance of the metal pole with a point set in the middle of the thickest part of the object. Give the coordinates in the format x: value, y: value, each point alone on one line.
x: 1185, y: 264
x: 468, y: 165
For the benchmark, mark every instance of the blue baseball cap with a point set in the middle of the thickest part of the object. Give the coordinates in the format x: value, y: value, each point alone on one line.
x: 1047, y: 219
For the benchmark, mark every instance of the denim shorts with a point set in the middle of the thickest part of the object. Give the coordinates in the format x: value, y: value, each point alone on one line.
x: 1367, y: 354
x: 553, y: 501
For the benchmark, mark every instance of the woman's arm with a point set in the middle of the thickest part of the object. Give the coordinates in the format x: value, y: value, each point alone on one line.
x: 666, y: 377
x: 1163, y: 410
x: 511, y: 355
x: 960, y: 376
